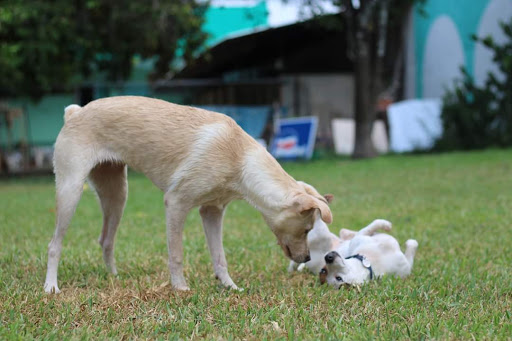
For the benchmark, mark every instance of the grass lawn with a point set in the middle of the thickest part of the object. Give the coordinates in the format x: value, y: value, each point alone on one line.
x: 458, y: 207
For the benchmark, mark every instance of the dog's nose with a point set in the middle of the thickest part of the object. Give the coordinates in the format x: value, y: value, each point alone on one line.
x: 329, y: 258
x: 307, y: 259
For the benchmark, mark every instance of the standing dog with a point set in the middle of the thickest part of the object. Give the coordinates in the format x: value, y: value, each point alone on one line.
x: 356, y: 257
x: 196, y: 157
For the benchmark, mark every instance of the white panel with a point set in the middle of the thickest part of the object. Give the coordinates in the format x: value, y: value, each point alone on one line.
x: 414, y: 124
x: 442, y: 59
x: 380, y: 137
x: 343, y: 130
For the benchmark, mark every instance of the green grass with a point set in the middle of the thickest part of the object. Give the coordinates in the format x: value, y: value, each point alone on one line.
x: 458, y: 207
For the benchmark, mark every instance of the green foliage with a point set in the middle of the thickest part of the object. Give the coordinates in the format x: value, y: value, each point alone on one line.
x: 35, y: 50
x: 478, y: 117
x: 45, y: 46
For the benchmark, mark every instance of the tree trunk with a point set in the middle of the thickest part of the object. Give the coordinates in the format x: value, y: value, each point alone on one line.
x: 364, y: 100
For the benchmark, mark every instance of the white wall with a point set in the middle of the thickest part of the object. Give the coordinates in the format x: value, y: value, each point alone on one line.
x: 496, y: 11
x: 444, y: 55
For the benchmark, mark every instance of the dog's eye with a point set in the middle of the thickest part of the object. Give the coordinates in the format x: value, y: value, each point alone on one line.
x: 339, y: 279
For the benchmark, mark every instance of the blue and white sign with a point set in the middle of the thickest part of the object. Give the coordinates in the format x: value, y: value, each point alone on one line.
x: 295, y: 138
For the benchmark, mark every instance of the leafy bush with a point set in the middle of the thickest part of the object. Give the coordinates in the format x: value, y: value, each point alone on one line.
x: 477, y: 117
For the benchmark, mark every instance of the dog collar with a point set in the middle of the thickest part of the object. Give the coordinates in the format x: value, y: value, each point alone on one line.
x: 366, y: 263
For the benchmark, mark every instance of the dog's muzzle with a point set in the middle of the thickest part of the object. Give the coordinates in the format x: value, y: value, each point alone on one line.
x: 303, y: 259
x: 296, y: 258
x: 329, y: 258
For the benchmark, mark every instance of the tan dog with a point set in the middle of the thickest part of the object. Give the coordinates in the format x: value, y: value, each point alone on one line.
x: 196, y: 157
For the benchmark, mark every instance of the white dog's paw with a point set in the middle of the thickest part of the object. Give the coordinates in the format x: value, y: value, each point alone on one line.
x: 301, y: 267
x: 51, y: 288
x: 382, y: 224
x: 292, y: 266
x: 411, y: 244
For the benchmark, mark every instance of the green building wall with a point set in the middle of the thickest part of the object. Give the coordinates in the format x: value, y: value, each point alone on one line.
x: 42, y: 122
x: 467, y: 17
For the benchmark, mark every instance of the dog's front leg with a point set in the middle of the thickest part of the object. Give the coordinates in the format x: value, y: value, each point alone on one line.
x: 175, y: 213
x: 292, y: 266
x: 212, y: 225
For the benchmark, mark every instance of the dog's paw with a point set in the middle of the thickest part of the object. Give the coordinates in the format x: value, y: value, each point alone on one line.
x: 411, y: 244
x: 230, y: 287
x: 382, y: 224
x: 181, y: 287
x: 346, y: 234
x: 301, y: 267
x: 51, y: 288
x: 292, y: 266
x: 235, y: 288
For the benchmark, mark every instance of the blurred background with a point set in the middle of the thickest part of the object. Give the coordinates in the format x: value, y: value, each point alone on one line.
x: 363, y: 77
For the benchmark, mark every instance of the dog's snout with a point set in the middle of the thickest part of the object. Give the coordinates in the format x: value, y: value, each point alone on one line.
x: 329, y: 258
x: 301, y: 258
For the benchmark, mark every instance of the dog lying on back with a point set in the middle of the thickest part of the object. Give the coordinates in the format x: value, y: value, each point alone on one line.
x: 356, y: 257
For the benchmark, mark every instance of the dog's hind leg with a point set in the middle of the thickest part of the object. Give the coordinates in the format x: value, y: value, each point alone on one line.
x: 376, y: 225
x: 346, y: 234
x: 212, y: 224
x: 109, y: 181
x: 70, y: 176
x: 410, y: 250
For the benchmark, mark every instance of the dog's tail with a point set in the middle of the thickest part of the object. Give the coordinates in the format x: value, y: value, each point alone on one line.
x: 70, y: 110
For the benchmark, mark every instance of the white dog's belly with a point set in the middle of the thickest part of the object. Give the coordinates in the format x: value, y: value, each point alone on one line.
x: 384, y: 255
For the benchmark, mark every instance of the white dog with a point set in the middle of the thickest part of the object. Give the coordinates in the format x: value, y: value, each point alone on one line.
x: 196, y: 157
x: 356, y: 257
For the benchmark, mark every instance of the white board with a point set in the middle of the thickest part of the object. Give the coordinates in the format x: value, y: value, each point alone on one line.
x: 414, y: 124
x: 343, y: 130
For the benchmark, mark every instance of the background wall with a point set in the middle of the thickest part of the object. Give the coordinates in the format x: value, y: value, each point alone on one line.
x: 439, y: 42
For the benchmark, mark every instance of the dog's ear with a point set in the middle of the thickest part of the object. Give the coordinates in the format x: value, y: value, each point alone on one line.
x: 325, y: 212
x: 329, y: 198
x: 306, y: 204
x: 322, y: 276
